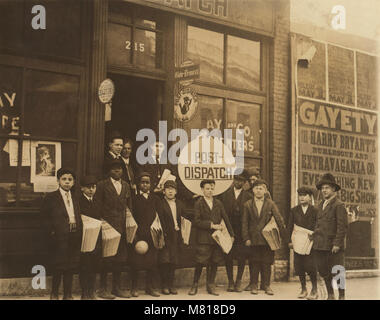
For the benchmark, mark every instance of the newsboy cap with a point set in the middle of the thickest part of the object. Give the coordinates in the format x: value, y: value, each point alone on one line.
x: 114, y: 164
x: 170, y: 184
x: 63, y: 171
x: 305, y: 190
x: 242, y: 176
x: 259, y: 182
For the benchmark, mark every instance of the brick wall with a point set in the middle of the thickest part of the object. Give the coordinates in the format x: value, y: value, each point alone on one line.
x: 280, y: 115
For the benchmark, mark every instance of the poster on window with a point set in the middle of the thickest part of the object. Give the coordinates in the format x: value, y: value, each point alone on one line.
x: 45, y: 161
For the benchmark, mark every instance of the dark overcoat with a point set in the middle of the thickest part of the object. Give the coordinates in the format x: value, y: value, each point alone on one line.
x: 144, y: 212
x: 173, y: 238
x: 331, y: 227
x: 112, y: 208
x: 308, y: 220
x: 65, y: 245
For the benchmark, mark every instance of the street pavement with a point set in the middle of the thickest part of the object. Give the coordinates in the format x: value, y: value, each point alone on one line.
x: 356, y: 289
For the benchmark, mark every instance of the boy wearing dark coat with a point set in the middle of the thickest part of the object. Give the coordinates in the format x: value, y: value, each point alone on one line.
x: 61, y: 208
x: 330, y: 233
x: 112, y: 198
x: 171, y: 212
x: 256, y: 215
x: 90, y: 261
x: 145, y: 210
x: 233, y: 200
x: 208, y: 215
x: 304, y: 215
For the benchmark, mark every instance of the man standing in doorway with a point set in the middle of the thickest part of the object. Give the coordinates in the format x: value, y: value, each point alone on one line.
x: 330, y: 232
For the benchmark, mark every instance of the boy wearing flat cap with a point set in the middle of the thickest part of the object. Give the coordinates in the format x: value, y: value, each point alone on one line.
x: 61, y: 208
x: 256, y: 215
x: 90, y: 261
x: 233, y: 200
x: 330, y: 233
x: 112, y: 198
x: 171, y: 212
x: 304, y: 215
x: 208, y: 215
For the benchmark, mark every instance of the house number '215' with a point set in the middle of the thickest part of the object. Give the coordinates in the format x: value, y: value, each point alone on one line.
x: 137, y: 46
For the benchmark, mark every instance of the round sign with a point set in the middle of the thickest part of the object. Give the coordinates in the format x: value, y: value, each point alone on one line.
x: 185, y: 104
x: 206, y: 157
x: 106, y: 91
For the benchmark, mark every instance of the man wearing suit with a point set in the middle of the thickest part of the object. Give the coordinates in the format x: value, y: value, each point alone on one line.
x: 256, y: 215
x: 129, y: 166
x: 115, y: 146
x: 233, y: 200
x: 330, y: 232
x: 304, y: 215
x: 90, y: 261
x: 171, y: 211
x: 112, y: 198
x: 62, y: 212
x: 208, y: 215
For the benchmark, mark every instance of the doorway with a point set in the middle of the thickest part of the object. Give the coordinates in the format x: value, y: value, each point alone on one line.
x: 137, y: 104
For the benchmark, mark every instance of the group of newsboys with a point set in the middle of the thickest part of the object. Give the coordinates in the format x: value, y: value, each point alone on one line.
x: 243, y: 211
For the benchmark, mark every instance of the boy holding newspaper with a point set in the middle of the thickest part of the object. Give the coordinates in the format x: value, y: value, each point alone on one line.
x: 301, y: 222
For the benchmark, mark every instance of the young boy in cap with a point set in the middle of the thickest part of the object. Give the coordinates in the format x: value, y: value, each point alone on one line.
x: 304, y: 215
x: 171, y: 212
x: 256, y: 215
x: 61, y: 208
x: 330, y: 232
x: 89, y: 260
x: 233, y: 200
x: 208, y: 215
x: 112, y: 198
x: 145, y: 210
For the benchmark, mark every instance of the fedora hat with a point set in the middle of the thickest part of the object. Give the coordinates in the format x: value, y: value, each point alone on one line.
x: 327, y: 178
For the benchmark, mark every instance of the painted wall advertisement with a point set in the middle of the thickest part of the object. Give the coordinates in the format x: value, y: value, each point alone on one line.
x: 344, y: 142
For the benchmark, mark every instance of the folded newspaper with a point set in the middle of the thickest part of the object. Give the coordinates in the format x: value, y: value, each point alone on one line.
x: 110, y: 240
x: 157, y: 233
x: 271, y: 233
x: 131, y: 227
x: 300, y: 239
x: 91, y: 229
x: 185, y: 230
x: 166, y: 175
x: 223, y: 238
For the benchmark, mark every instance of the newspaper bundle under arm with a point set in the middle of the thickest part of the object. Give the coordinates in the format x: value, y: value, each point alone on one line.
x: 300, y: 239
x: 110, y: 240
x: 131, y: 226
x: 223, y: 238
x: 185, y: 230
x: 271, y: 233
x: 91, y: 229
x: 157, y: 233
x: 166, y: 175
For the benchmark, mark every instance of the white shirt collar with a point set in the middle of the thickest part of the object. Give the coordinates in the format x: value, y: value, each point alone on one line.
x: 88, y: 198
x: 114, y: 155
x: 126, y: 160
x: 63, y: 192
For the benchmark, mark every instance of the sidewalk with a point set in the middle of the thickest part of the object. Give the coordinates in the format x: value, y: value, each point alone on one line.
x: 357, y: 289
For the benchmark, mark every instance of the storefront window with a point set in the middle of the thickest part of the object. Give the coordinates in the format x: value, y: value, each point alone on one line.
x: 243, y: 63
x: 133, y: 39
x: 51, y: 104
x: 209, y: 114
x: 205, y: 47
x: 40, y: 117
x: 247, y: 117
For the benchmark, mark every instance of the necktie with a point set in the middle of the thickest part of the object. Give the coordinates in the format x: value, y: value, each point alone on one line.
x: 68, y: 199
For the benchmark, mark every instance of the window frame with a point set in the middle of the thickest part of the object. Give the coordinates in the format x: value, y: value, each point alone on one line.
x: 52, y: 67
x: 260, y: 97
